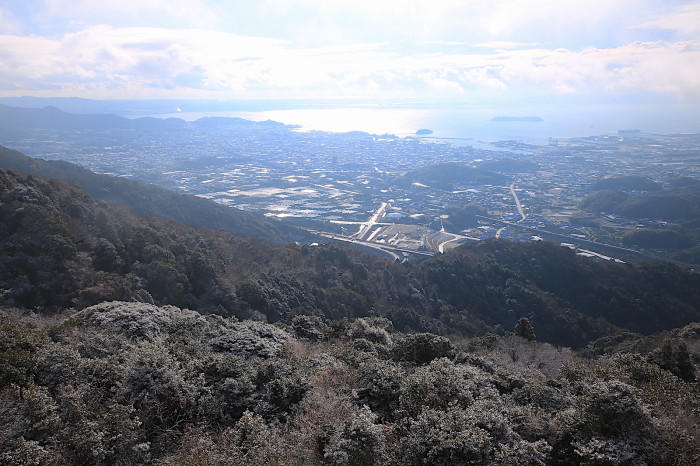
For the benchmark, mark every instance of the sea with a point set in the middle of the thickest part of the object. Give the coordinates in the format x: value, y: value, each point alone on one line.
x: 464, y: 126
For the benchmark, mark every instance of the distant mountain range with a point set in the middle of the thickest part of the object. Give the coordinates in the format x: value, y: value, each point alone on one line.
x: 19, y: 119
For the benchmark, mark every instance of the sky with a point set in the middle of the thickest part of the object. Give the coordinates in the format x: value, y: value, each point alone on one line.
x: 442, y: 52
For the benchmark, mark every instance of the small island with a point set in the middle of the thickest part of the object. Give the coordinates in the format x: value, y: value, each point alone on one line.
x: 508, y: 119
x: 424, y: 132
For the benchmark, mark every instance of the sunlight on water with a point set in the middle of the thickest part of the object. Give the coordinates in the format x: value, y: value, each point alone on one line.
x: 458, y: 126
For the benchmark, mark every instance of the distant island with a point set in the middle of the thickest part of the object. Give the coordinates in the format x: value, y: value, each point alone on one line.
x: 516, y: 118
x: 424, y: 132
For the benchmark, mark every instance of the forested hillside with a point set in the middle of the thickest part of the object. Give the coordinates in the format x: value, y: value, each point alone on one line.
x: 149, y: 200
x: 61, y: 248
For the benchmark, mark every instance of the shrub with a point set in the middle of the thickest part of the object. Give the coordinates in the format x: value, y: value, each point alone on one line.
x: 283, y: 385
x: 134, y: 319
x: 380, y: 383
x: 250, y: 338
x: 445, y: 438
x: 364, y: 328
x: 436, y: 386
x: 232, y: 382
x: 18, y: 350
x: 523, y: 329
x: 309, y: 327
x: 675, y: 358
x: 358, y: 441
x: 162, y: 391
x: 421, y: 348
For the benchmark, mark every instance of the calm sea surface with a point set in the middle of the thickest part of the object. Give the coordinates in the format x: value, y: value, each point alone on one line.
x: 460, y: 126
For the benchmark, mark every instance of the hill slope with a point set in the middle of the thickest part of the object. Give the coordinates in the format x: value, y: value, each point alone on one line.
x: 61, y: 248
x: 149, y: 200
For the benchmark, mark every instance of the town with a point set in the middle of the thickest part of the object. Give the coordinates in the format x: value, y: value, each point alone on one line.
x: 388, y: 193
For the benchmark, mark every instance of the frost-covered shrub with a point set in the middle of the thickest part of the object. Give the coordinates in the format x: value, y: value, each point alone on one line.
x: 30, y: 413
x: 250, y: 338
x: 380, y: 383
x: 366, y: 328
x: 675, y: 358
x: 57, y: 364
x: 134, y: 319
x: 309, y: 327
x: 478, y: 434
x: 610, y: 426
x: 601, y: 451
x: 283, y: 384
x: 358, y: 441
x: 158, y: 385
x: 27, y: 453
x: 232, y: 382
x: 96, y: 433
x: 18, y: 350
x: 541, y: 395
x: 523, y: 453
x: 445, y: 438
x: 476, y: 361
x: 438, y: 385
x: 243, y: 443
x: 421, y: 348
x: 612, y: 408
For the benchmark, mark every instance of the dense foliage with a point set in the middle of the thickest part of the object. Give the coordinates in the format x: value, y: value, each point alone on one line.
x: 133, y: 383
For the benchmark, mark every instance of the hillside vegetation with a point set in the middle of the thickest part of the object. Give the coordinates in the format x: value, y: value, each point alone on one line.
x: 132, y: 383
x: 62, y: 248
x: 149, y: 200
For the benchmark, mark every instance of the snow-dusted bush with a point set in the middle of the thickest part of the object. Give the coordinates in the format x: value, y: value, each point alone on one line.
x: 309, y: 327
x: 438, y: 385
x: 357, y: 442
x: 421, y: 348
x: 369, y: 330
x: 134, y: 319
x: 251, y: 338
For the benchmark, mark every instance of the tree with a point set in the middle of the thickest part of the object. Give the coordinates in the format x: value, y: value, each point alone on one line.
x: 524, y: 329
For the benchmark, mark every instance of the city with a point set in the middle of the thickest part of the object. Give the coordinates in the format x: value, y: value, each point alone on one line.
x: 393, y: 195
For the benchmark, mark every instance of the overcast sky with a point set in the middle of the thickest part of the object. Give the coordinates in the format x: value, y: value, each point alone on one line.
x: 449, y: 51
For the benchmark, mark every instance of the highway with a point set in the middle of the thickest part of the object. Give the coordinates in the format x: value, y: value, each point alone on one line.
x: 394, y: 252
x: 519, y: 206
x: 366, y: 227
x: 632, y: 253
x: 517, y: 203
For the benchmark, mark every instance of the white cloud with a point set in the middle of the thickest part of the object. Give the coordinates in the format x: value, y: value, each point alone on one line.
x: 504, y: 44
x: 684, y: 20
x: 192, y: 13
x: 109, y: 62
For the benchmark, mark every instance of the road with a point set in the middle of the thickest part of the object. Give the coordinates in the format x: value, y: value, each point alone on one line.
x: 394, y: 252
x: 366, y: 227
x: 519, y: 206
x: 517, y: 203
x: 638, y: 255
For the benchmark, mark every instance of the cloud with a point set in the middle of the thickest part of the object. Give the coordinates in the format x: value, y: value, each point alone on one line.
x: 191, y: 13
x: 684, y: 20
x: 504, y: 44
x: 109, y: 62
